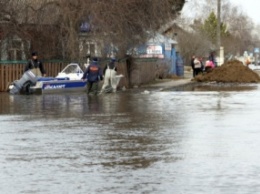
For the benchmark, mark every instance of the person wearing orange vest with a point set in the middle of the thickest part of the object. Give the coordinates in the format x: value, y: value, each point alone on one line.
x: 93, y: 74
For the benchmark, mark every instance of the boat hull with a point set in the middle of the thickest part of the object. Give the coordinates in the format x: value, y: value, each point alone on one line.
x: 68, y: 80
x: 59, y: 86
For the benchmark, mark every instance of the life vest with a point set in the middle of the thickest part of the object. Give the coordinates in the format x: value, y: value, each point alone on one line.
x: 93, y: 69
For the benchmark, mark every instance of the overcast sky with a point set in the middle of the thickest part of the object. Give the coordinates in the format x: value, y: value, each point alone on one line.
x: 249, y: 7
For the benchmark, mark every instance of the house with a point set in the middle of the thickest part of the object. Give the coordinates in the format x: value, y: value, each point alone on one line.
x: 162, y: 47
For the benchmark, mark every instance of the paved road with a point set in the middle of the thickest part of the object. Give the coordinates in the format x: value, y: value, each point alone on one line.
x: 164, y: 84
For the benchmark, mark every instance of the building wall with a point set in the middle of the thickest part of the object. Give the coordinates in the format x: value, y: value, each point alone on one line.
x: 140, y: 71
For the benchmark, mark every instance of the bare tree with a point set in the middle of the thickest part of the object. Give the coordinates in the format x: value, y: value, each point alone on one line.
x: 242, y: 32
x: 122, y: 23
x: 56, y: 22
x: 240, y: 26
x: 25, y: 25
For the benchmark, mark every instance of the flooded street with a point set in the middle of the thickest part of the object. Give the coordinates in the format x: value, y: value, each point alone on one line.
x: 202, y: 140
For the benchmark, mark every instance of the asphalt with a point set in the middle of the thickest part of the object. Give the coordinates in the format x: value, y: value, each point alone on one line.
x: 166, y: 84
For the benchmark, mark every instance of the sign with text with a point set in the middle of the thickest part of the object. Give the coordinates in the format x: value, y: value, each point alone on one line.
x: 154, y: 50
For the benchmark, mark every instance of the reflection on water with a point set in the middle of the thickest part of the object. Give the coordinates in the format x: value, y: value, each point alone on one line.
x: 192, y: 141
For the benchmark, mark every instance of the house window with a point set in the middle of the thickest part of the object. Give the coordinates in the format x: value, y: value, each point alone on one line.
x: 15, y: 51
x: 92, y: 49
x: 87, y: 48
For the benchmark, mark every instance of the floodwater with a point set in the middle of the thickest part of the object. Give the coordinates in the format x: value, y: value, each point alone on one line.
x: 200, y: 140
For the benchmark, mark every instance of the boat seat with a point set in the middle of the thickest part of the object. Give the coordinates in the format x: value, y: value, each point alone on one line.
x: 62, y: 78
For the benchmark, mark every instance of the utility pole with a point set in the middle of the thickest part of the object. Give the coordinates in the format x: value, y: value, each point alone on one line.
x: 218, y: 23
x: 218, y: 31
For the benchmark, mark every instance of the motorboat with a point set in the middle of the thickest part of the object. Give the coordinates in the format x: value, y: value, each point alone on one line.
x: 68, y: 80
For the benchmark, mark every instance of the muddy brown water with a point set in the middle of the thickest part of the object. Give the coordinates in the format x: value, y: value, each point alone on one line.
x: 189, y: 140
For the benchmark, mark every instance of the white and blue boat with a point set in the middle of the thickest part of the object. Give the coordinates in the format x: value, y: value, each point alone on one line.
x: 68, y: 80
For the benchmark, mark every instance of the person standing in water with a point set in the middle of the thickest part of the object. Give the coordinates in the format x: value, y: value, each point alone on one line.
x: 93, y: 75
x: 35, y: 65
x: 110, y: 76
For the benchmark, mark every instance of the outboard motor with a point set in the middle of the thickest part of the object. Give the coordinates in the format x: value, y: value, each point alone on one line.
x: 27, y: 79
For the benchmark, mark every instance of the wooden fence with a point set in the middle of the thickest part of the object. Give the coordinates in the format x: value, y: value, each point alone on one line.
x: 13, y: 71
x: 136, y: 72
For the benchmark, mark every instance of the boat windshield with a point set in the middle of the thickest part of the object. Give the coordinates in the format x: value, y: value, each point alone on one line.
x: 72, y: 68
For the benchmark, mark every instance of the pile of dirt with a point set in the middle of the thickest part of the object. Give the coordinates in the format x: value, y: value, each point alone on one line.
x: 232, y: 71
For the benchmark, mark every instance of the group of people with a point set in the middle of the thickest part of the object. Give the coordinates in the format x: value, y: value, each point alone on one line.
x: 198, y: 65
x: 93, y: 73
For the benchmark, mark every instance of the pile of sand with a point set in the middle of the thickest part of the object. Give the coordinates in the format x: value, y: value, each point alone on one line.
x: 232, y: 71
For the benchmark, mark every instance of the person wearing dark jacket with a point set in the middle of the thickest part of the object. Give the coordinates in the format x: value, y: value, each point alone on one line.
x: 35, y: 65
x: 93, y: 74
x: 193, y: 65
x: 110, y: 65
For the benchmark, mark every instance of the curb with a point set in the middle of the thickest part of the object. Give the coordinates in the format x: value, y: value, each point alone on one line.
x: 180, y: 86
x: 169, y: 85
